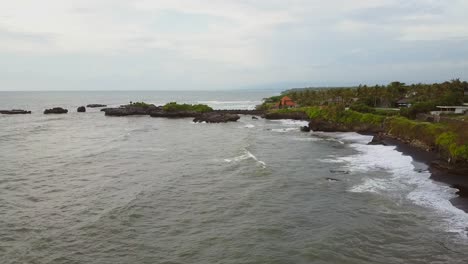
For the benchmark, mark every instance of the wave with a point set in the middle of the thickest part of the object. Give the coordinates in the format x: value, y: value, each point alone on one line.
x: 284, y: 130
x: 241, y: 105
x: 404, y: 181
x: 291, y: 122
x: 249, y: 126
x: 247, y: 155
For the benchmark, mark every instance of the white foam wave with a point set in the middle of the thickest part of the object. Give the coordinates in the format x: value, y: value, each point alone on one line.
x: 290, y: 122
x: 243, y: 105
x: 249, y: 126
x: 404, y: 181
x: 247, y: 155
x: 307, y: 139
x: 284, y: 130
x: 331, y: 160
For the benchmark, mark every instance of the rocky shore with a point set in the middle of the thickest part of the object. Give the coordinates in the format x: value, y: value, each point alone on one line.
x: 14, y: 112
x: 214, y: 116
x: 96, y: 105
x: 454, y: 177
x: 56, y: 110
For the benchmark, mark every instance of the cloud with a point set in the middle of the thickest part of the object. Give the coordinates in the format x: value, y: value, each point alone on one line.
x: 206, y: 44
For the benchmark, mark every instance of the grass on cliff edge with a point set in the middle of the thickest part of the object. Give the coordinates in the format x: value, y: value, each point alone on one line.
x: 199, y: 108
x: 450, y: 139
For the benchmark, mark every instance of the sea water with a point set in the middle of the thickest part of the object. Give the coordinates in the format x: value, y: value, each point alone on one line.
x: 86, y: 188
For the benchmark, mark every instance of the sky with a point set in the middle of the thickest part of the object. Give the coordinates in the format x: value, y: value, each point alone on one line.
x: 227, y: 44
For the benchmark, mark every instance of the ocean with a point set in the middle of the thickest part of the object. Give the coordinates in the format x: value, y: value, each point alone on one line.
x: 86, y: 188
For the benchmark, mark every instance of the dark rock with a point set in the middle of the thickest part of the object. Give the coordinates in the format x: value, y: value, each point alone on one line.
x: 56, y: 110
x: 81, y: 109
x: 305, y: 129
x: 14, y: 112
x: 216, y: 118
x: 332, y: 179
x: 254, y: 118
x: 453, y: 168
x: 174, y: 114
x: 96, y: 105
x: 240, y: 112
x: 339, y: 171
x: 378, y: 140
x: 128, y: 110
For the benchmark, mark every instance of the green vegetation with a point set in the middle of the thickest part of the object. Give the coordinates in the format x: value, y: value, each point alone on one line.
x: 449, y: 139
x: 199, y: 108
x: 140, y: 104
x: 447, y: 93
x: 373, y: 108
x: 340, y: 115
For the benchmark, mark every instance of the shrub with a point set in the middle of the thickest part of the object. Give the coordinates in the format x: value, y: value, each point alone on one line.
x: 422, y: 107
x: 360, y: 107
x: 173, y: 107
x: 140, y: 104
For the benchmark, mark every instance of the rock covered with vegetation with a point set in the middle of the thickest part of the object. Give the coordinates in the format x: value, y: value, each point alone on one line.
x: 175, y: 110
x: 365, y: 109
x: 14, y: 112
x: 96, y: 105
x: 56, y: 110
x: 214, y: 117
x: 137, y: 108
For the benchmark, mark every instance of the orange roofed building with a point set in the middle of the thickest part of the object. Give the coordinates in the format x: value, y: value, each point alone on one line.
x: 286, y: 102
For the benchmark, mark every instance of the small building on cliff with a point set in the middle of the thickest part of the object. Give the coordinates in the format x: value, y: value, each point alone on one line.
x: 286, y: 102
x: 404, y: 102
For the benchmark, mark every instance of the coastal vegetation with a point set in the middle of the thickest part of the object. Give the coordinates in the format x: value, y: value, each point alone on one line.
x: 140, y: 104
x: 446, y: 93
x: 199, y: 108
x: 373, y: 109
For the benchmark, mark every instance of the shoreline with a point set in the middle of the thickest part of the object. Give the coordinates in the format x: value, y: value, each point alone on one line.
x: 457, y: 181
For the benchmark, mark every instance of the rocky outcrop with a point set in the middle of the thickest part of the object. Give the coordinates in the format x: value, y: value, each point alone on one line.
x: 128, y: 110
x: 305, y: 129
x: 241, y: 112
x: 459, y: 169
x: 214, y: 117
x: 291, y: 115
x: 56, y: 110
x: 14, y: 112
x: 81, y: 109
x: 96, y: 105
x: 378, y: 139
x: 174, y: 114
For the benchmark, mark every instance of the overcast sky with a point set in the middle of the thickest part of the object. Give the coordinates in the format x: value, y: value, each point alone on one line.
x: 227, y: 44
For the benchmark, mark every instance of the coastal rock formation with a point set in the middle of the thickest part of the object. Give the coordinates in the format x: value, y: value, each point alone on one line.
x: 174, y: 114
x: 81, y: 109
x: 14, y: 112
x: 214, y: 117
x: 289, y: 115
x: 241, y: 112
x: 128, y: 110
x: 458, y: 169
x: 305, y: 129
x: 56, y: 110
x: 96, y: 105
x: 378, y: 140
